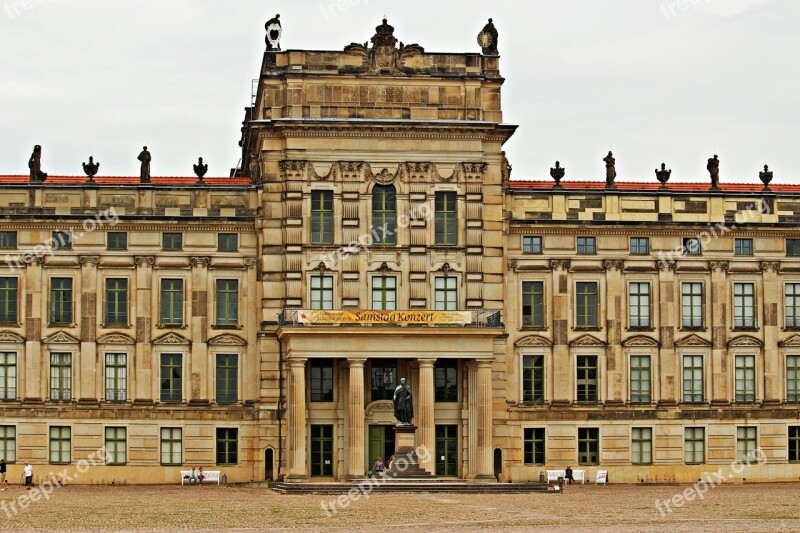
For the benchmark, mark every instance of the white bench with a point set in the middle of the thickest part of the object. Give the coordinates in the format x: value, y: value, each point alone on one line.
x: 578, y: 475
x: 208, y: 475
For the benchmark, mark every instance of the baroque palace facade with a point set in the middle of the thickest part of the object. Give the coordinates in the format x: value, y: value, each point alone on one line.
x: 259, y: 324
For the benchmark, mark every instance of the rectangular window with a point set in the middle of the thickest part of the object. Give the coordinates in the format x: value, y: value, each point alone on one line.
x: 62, y: 240
x: 587, y: 245
x: 384, y: 293
x: 321, y: 450
x: 8, y: 240
x: 745, y: 378
x: 586, y: 304
x: 587, y: 379
x: 117, y: 240
x: 116, y: 446
x: 446, y: 219
x: 227, y: 242
x: 321, y: 292
x: 116, y: 377
x: 640, y: 379
x: 693, y: 378
x: 446, y: 294
x: 9, y: 301
x: 116, y: 302
x: 639, y: 301
x: 60, y: 445
x: 227, y: 302
x: 321, y: 217
x: 384, y: 215
x: 227, y: 446
x: 533, y: 378
x: 384, y: 379
x: 8, y: 443
x: 744, y: 305
x: 322, y: 380
x: 61, y: 301
x: 746, y: 444
x: 171, y: 302
x: 531, y: 245
x: 694, y: 446
x: 794, y: 444
x: 589, y: 446
x: 171, y: 446
x: 8, y: 377
x: 692, y: 305
x: 172, y: 242
x: 60, y: 377
x: 640, y: 245
x: 642, y: 446
x: 793, y: 378
x: 692, y: 246
x: 792, y: 298
x: 743, y: 246
x: 227, y: 378
x: 171, y: 377
x: 533, y: 304
x: 793, y: 247
x: 446, y: 380
x: 534, y: 446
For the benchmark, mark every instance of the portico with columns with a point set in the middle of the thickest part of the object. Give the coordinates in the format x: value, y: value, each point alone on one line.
x: 351, y: 351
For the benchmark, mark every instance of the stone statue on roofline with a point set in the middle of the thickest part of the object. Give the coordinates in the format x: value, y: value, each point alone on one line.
x: 144, y: 170
x: 611, y: 170
x: 713, y: 170
x: 35, y: 165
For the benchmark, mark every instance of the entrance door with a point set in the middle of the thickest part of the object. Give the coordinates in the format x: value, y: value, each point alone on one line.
x: 321, y: 451
x: 381, y: 444
x: 269, y: 464
x: 498, y: 464
x: 447, y: 450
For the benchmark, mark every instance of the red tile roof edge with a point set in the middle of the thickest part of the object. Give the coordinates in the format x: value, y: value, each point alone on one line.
x: 126, y: 180
x: 650, y: 186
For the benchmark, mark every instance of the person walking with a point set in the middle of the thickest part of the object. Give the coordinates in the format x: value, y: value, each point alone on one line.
x: 28, y: 473
x: 3, y: 472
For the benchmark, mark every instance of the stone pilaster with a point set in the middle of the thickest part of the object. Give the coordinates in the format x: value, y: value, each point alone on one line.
x: 201, y: 370
x: 615, y: 294
x: 33, y: 374
x: 562, y: 366
x: 426, y: 434
x: 717, y: 322
x: 87, y: 361
x: 355, y: 419
x: 144, y: 371
x: 484, y: 422
x: 667, y: 369
x: 772, y: 298
x: 296, y: 422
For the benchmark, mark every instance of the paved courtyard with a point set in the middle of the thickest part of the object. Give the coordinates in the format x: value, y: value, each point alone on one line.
x: 589, y: 508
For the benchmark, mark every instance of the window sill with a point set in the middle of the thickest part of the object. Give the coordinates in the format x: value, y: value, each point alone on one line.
x: 587, y: 329
x: 533, y: 328
x: 10, y: 325
x: 232, y: 327
x: 116, y: 326
x: 641, y: 329
x: 64, y: 325
x: 172, y: 326
x: 751, y: 329
x: 692, y: 328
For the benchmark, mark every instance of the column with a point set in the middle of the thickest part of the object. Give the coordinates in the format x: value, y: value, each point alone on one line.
x: 296, y: 422
x: 426, y: 428
x: 484, y: 422
x: 471, y: 408
x: 355, y: 419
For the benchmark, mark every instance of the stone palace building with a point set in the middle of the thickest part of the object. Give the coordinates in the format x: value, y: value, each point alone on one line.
x: 258, y: 324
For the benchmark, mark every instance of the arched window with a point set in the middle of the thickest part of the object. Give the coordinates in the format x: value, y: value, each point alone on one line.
x: 384, y: 214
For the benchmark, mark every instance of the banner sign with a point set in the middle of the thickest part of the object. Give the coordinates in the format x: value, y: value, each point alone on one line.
x: 457, y: 318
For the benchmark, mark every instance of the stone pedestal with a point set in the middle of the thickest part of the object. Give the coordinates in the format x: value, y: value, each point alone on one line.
x: 406, y: 462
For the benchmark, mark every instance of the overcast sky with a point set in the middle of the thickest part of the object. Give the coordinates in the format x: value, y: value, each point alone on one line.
x: 652, y: 80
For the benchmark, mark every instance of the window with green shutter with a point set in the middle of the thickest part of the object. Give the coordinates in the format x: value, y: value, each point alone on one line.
x: 116, y: 302
x: 446, y: 224
x: 227, y: 378
x: 171, y: 302
x: 61, y: 301
x: 321, y: 217
x: 384, y: 214
x: 227, y: 302
x: 9, y: 301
